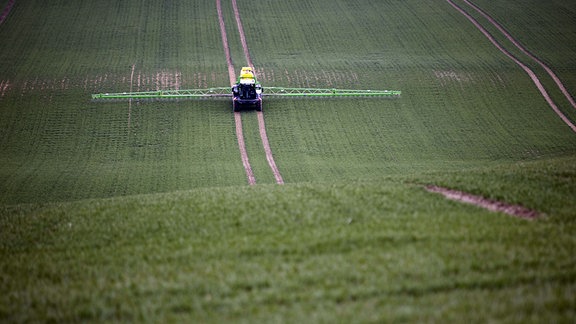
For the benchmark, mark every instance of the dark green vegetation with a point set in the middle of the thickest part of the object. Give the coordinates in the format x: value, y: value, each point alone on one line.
x: 140, y: 211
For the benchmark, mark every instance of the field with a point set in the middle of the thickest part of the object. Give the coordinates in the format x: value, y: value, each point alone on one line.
x: 141, y: 210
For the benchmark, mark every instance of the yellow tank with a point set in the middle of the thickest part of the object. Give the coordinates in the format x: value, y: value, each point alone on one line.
x: 246, y: 73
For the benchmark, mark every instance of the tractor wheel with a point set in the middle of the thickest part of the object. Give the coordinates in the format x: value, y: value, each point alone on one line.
x: 259, y: 106
x: 235, y: 107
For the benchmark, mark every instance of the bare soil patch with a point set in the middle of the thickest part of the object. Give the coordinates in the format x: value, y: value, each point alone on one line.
x: 444, y: 77
x: 492, y: 205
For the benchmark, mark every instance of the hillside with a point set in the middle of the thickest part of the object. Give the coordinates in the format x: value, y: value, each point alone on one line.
x: 141, y: 210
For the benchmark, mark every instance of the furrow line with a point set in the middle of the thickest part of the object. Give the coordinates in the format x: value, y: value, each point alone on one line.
x: 261, y: 125
x: 237, y: 116
x: 525, y: 51
x: 517, y: 61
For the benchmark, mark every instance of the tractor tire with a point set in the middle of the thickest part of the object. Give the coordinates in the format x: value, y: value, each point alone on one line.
x: 235, y: 106
x: 259, y: 106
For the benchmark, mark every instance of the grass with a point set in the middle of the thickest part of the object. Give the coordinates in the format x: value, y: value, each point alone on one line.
x: 324, y: 251
x: 140, y: 211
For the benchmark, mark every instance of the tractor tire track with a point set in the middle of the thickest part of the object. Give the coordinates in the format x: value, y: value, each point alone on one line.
x: 224, y: 36
x: 267, y: 149
x: 6, y: 11
x: 237, y: 116
x: 261, y: 124
x: 130, y: 99
x: 242, y: 35
x: 525, y: 51
x: 517, y: 61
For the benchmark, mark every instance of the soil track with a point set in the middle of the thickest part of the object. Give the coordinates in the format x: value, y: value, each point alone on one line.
x: 261, y: 125
x: 517, y: 61
x: 525, y: 51
x: 493, y: 205
x: 130, y: 99
x: 6, y: 11
x: 237, y: 116
x: 241, y: 32
x: 514, y: 210
x: 4, y: 86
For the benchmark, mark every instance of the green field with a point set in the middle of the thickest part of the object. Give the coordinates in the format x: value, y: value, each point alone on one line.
x: 141, y: 211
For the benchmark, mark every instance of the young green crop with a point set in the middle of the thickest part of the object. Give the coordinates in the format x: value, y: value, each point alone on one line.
x: 322, y: 251
x: 139, y: 211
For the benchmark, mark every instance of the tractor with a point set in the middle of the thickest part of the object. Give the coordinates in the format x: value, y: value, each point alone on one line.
x: 247, y: 92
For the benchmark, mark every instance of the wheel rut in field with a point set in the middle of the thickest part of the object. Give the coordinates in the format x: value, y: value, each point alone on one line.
x: 493, y: 205
x: 525, y: 51
x: 6, y: 11
x: 529, y: 71
x: 237, y: 116
x: 130, y: 100
x: 261, y: 124
x: 242, y: 35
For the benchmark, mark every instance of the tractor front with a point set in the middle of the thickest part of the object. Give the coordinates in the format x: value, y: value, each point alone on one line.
x: 247, y: 91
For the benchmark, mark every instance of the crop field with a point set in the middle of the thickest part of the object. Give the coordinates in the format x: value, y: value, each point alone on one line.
x: 141, y: 210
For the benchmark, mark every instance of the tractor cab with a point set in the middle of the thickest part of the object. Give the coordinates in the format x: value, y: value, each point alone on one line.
x: 247, y: 91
